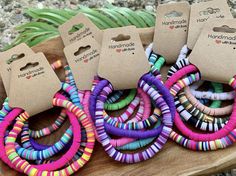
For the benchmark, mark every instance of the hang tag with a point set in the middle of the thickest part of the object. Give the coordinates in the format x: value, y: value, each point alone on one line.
x: 215, y: 50
x: 171, y: 30
x: 123, y: 60
x: 7, y: 58
x: 201, y: 12
x: 33, y: 84
x: 83, y: 58
x: 77, y: 28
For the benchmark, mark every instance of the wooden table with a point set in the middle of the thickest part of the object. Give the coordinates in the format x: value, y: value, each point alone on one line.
x: 172, y: 160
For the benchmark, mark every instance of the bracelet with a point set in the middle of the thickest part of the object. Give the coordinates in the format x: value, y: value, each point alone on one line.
x: 13, y: 117
x: 111, y: 100
x: 214, y: 96
x: 218, y: 88
x: 48, y: 130
x: 130, y: 110
x: 181, y: 62
x: 114, y: 97
x: 134, y: 124
x: 111, y: 120
x: 28, y: 141
x: 204, y: 145
x: 124, y: 143
x: 198, y: 123
x: 87, y: 94
x: 210, y: 111
x: 121, y: 104
x: 196, y: 112
x: 55, y: 148
x: 64, y: 141
x: 45, y: 131
x: 214, y: 123
x: 193, y: 101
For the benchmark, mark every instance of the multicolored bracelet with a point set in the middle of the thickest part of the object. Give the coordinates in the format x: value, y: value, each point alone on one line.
x: 208, y: 110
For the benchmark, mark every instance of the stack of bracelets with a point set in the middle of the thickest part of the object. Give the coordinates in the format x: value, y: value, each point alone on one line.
x: 217, y: 130
x: 131, y: 131
x: 135, y: 135
x: 78, y: 154
x: 40, y: 154
x: 76, y: 143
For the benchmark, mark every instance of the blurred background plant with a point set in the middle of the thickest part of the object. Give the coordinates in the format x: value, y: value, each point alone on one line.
x: 45, y: 22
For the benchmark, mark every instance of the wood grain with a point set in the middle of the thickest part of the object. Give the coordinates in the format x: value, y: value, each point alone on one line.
x: 172, y: 160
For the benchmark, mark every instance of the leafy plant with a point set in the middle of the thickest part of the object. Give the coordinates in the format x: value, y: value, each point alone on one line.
x: 46, y: 21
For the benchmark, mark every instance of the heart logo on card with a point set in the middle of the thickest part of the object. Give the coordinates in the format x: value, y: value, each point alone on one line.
x: 218, y: 41
x: 28, y: 77
x: 171, y: 27
x: 118, y: 50
x: 85, y: 60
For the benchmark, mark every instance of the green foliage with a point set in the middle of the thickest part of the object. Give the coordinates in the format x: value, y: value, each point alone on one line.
x: 46, y: 21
